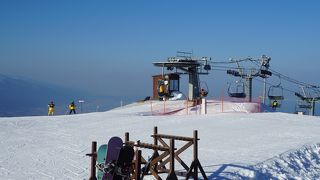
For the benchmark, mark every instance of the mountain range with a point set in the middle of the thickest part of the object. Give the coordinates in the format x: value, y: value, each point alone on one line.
x: 20, y: 96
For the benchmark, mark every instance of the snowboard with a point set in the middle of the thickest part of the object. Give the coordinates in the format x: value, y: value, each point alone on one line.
x: 123, y: 165
x: 114, y: 146
x: 102, y: 151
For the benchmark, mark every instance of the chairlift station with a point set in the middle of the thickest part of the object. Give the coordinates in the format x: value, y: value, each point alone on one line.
x: 184, y: 63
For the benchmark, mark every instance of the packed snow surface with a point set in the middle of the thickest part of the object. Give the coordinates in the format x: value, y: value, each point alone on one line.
x: 232, y: 145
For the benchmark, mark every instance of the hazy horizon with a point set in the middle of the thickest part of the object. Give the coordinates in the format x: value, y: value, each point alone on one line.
x: 107, y: 47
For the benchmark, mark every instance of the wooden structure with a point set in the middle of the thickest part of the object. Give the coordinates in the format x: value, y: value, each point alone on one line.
x: 93, y: 156
x: 169, y: 154
x: 163, y: 155
x: 173, y: 83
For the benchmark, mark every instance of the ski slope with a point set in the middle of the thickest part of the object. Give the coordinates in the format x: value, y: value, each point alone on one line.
x: 235, y: 145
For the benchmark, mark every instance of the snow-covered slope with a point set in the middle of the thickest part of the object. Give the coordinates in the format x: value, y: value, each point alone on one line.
x: 232, y: 145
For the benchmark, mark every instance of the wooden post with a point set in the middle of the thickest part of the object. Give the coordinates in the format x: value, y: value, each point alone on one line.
x: 155, y: 131
x: 138, y: 165
x: 195, y: 153
x: 126, y: 137
x: 93, y: 160
x: 171, y: 155
x: 172, y: 175
x: 155, y: 142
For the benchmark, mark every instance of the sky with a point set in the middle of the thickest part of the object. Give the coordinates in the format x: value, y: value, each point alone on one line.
x: 107, y: 47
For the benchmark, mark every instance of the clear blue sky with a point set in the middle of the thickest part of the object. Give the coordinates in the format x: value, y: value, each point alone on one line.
x: 108, y: 47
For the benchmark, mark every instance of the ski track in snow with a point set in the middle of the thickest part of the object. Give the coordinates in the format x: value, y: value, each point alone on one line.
x: 232, y: 145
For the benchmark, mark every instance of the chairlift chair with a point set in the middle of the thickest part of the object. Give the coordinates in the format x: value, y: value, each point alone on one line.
x: 303, y: 106
x: 275, y: 93
x: 237, y: 90
x: 305, y: 101
x: 204, y: 90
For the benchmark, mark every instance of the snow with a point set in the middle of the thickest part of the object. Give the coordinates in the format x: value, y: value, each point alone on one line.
x: 233, y: 144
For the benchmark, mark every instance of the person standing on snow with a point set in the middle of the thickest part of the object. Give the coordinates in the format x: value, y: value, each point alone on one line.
x: 51, y: 108
x: 161, y: 91
x: 72, y: 108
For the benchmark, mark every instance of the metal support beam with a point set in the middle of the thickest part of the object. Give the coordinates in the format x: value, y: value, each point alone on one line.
x: 248, y: 88
x: 193, y: 83
x: 264, y: 90
x: 313, y: 107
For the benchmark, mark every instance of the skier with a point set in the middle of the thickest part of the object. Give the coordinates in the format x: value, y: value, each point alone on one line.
x: 72, y: 108
x: 50, y: 108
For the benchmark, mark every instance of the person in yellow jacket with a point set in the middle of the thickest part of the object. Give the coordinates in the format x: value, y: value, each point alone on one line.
x: 161, y: 91
x: 51, y: 108
x: 275, y: 104
x: 72, y: 108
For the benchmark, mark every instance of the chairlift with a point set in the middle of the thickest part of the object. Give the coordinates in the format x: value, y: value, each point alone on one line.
x: 303, y: 107
x: 237, y: 90
x: 275, y: 92
x: 204, y: 90
x: 275, y: 95
x: 305, y: 101
x: 207, y: 67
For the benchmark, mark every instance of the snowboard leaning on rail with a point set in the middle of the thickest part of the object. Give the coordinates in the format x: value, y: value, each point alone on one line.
x: 123, y: 165
x: 102, y: 151
x: 113, y: 150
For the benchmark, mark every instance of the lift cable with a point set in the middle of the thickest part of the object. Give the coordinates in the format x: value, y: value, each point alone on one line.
x: 313, y: 87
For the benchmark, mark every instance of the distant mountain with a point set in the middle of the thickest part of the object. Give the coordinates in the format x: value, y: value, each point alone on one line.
x: 24, y: 97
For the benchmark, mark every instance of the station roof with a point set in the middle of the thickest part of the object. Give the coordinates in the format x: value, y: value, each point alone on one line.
x: 184, y: 63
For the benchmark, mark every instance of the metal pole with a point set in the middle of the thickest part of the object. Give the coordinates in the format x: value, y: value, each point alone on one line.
x: 249, y: 88
x: 81, y: 103
x: 264, y: 90
x: 162, y: 71
x: 313, y: 107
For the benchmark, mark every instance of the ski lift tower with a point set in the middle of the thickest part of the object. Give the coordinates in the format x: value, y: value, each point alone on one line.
x: 184, y: 63
x: 262, y: 72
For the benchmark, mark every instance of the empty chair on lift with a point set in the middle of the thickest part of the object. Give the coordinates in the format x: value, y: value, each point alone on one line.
x: 304, y: 105
x: 236, y: 90
x: 275, y: 93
